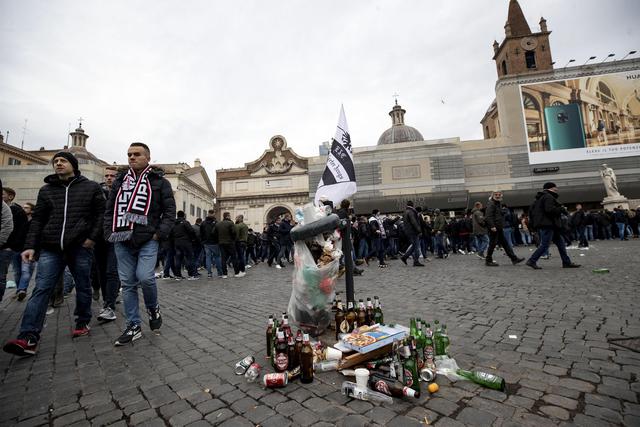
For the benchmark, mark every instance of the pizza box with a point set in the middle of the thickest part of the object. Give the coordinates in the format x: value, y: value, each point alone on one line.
x: 378, y: 336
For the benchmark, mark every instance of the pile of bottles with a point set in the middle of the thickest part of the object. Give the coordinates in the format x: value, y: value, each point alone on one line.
x: 291, y: 356
x: 349, y: 318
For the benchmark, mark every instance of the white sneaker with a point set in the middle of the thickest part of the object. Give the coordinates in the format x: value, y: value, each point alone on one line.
x: 225, y: 276
x: 278, y: 266
x: 107, y: 314
x: 241, y: 274
x: 249, y: 266
x: 50, y: 310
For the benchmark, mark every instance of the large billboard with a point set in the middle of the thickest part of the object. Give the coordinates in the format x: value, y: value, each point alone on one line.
x: 590, y: 117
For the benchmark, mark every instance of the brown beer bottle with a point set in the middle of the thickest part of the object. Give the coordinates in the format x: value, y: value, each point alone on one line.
x: 351, y: 316
x: 369, y: 312
x: 339, y: 319
x: 291, y: 353
x: 391, y: 386
x: 306, y: 361
x: 281, y: 355
x: 298, y: 346
x: 362, y: 314
x: 269, y: 334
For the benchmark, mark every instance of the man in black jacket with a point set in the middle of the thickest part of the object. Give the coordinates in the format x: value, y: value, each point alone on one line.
x: 495, y: 223
x: 227, y: 237
x: 66, y: 223
x: 413, y: 231
x: 140, y: 212
x: 546, y: 215
x: 183, y: 236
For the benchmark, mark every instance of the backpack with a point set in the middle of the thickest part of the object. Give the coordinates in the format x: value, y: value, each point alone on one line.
x: 534, y: 215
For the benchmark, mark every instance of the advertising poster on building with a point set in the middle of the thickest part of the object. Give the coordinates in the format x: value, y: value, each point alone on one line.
x: 590, y: 117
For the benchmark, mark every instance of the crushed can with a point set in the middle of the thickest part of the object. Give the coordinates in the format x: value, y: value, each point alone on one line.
x: 427, y: 375
x: 243, y: 365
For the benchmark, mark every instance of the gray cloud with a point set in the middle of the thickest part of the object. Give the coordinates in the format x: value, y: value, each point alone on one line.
x: 216, y: 80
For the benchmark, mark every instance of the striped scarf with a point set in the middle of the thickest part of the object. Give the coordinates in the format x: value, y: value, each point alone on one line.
x: 131, y: 205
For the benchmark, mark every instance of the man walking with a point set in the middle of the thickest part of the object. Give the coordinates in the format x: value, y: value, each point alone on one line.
x: 242, y: 232
x: 11, y: 250
x: 226, y: 232
x: 140, y: 212
x: 66, y: 223
x: 107, y: 262
x: 378, y: 236
x: 495, y: 222
x: 413, y: 231
x: 479, y: 229
x: 545, y: 216
x: 209, y: 240
x: 579, y: 220
x: 439, y: 226
x: 183, y: 236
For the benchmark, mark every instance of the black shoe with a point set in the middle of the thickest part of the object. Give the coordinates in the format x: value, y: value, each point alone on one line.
x: 418, y: 264
x: 129, y: 335
x: 534, y: 265
x: 155, y: 320
x: 21, y: 295
x: 491, y: 264
x: 403, y: 259
x: 572, y: 265
x: 517, y: 261
x: 357, y: 271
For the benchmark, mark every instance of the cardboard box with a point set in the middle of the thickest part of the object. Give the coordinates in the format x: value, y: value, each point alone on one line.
x: 372, y: 340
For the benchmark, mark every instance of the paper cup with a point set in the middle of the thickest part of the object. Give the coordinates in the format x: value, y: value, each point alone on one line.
x: 333, y: 354
x: 362, y: 377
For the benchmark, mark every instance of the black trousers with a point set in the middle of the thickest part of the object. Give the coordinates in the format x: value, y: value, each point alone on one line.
x: 496, y: 237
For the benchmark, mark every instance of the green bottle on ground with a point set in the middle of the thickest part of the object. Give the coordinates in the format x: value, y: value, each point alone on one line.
x: 484, y: 379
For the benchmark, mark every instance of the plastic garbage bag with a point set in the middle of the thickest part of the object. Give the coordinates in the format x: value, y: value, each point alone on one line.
x: 313, y: 288
x: 447, y: 366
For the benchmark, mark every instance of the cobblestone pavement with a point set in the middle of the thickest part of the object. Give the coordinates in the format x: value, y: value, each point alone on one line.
x: 560, y: 369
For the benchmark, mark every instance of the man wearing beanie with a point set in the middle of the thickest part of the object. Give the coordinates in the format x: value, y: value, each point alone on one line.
x: 66, y: 222
x: 545, y: 217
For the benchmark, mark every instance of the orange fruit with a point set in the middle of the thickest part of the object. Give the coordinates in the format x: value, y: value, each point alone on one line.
x: 433, y: 387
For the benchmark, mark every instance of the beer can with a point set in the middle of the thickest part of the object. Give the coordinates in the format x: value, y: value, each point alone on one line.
x: 275, y: 380
x: 427, y: 375
x: 243, y: 365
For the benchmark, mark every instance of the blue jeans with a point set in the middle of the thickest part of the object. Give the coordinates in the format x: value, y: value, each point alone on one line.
x: 378, y: 248
x: 136, y: 268
x: 241, y: 247
x: 508, y: 235
x: 415, y: 249
x: 50, y: 268
x: 482, y: 242
x: 25, y: 275
x: 363, y: 249
x: 621, y: 229
x: 589, y: 232
x: 526, y: 237
x: 212, y: 256
x: 546, y: 236
x: 440, y: 244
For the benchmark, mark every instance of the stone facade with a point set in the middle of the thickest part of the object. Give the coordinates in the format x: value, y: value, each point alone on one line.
x: 274, y: 184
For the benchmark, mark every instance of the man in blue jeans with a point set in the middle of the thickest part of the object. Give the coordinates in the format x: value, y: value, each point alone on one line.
x: 413, y: 231
x: 545, y: 216
x: 66, y: 223
x: 209, y: 240
x: 140, y: 212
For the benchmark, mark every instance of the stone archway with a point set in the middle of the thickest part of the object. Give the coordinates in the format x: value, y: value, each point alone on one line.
x: 276, y: 211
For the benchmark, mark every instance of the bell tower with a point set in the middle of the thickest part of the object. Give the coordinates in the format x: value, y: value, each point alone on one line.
x: 522, y: 51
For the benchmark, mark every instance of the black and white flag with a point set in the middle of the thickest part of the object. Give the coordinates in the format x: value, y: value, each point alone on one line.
x: 338, y: 181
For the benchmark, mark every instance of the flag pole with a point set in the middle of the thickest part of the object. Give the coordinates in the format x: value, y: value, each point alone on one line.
x: 347, y: 250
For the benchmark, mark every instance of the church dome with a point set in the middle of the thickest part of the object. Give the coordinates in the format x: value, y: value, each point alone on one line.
x: 399, y: 132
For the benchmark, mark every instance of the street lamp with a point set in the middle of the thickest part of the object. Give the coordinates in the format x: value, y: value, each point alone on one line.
x: 630, y: 53
x: 570, y: 61
x: 590, y: 59
x: 608, y: 56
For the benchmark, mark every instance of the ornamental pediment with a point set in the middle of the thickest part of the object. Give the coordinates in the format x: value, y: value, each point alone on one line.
x: 278, y: 159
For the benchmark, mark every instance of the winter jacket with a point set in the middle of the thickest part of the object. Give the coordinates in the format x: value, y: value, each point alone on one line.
x: 242, y: 232
x: 20, y: 227
x: 6, y: 227
x: 548, y: 210
x: 161, y: 215
x: 479, y: 224
x: 226, y: 232
x: 493, y: 216
x: 208, y: 235
x: 439, y: 223
x: 411, y: 222
x: 579, y: 219
x: 66, y: 214
x: 285, y: 231
x: 618, y: 216
x: 182, y: 233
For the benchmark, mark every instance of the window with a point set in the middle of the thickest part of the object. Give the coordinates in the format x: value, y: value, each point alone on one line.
x: 604, y: 93
x: 528, y: 102
x: 533, y: 129
x: 192, y: 210
x: 184, y: 206
x: 504, y: 67
x: 530, y: 58
x: 199, y: 213
x: 556, y: 103
x: 14, y: 162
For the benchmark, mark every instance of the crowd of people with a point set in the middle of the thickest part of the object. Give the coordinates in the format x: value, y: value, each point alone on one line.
x: 116, y: 238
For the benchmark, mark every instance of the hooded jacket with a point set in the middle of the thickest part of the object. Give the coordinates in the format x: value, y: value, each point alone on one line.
x: 66, y: 214
x: 162, y: 211
x: 493, y: 215
x: 548, y: 210
x: 479, y: 224
x: 16, y: 239
x: 208, y: 235
x: 182, y: 233
x: 412, y: 226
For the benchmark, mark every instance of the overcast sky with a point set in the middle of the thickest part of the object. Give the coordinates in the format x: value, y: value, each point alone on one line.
x: 216, y: 80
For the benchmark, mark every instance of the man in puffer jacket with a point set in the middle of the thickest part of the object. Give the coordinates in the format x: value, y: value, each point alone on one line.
x: 66, y: 223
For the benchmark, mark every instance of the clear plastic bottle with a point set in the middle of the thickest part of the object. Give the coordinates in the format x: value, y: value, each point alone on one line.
x: 253, y: 372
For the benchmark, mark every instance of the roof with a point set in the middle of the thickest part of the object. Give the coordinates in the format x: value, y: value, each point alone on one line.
x: 517, y: 21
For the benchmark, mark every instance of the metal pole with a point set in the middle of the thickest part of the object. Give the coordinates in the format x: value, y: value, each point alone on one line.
x: 347, y: 249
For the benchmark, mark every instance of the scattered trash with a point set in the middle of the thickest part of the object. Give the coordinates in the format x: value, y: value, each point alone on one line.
x: 581, y: 254
x: 600, y: 270
x: 243, y: 365
x: 10, y: 284
x: 513, y: 337
x: 433, y: 387
x: 350, y: 389
x: 207, y: 390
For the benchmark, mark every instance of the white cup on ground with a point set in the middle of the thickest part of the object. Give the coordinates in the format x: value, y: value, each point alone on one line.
x: 362, y: 377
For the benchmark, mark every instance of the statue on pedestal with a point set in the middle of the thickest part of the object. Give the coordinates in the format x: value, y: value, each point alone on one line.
x: 609, y: 180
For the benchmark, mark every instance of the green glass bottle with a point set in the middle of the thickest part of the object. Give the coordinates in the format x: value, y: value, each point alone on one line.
x: 484, y: 379
x: 429, y: 350
x: 420, y: 339
x: 411, y: 372
x: 444, y: 339
x: 378, y: 317
x: 436, y: 338
x: 413, y: 331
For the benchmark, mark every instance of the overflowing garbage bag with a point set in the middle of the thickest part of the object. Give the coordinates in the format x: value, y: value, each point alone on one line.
x: 316, y: 267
